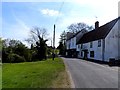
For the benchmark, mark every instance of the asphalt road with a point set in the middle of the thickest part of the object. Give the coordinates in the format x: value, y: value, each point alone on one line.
x: 87, y: 74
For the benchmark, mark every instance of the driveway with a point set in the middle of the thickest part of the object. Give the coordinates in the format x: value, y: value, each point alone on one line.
x: 87, y: 74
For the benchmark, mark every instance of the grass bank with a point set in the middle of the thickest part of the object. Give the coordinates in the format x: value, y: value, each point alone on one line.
x: 41, y: 74
x: 0, y: 76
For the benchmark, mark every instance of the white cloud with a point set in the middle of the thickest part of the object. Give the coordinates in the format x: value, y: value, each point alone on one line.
x: 50, y: 12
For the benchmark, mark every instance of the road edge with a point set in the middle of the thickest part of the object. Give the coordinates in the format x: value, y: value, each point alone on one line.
x: 69, y: 74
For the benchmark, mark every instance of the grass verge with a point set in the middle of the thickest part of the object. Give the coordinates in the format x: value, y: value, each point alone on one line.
x: 0, y: 76
x: 41, y: 74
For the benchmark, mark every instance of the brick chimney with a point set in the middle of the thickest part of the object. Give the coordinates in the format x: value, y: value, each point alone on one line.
x: 96, y: 24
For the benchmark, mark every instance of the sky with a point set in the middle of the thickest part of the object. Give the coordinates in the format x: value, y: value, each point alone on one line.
x: 19, y: 16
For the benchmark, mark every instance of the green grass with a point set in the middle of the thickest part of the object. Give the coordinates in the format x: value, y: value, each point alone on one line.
x: 0, y: 76
x: 41, y: 74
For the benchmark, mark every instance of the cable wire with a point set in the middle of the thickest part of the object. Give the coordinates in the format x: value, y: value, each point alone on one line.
x: 59, y: 11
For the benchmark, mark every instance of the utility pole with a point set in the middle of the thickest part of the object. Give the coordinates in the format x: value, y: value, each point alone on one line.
x: 54, y: 43
x: 54, y: 37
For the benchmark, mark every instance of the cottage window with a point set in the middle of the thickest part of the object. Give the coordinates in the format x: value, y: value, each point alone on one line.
x: 91, y: 53
x: 99, y: 43
x: 91, y: 44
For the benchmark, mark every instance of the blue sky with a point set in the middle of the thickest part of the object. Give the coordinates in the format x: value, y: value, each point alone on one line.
x: 19, y: 17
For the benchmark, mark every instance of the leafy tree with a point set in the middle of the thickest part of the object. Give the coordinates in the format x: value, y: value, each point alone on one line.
x: 63, y: 37
x: 41, y: 49
x: 62, y: 43
x: 49, y: 51
x: 15, y: 51
x: 61, y: 48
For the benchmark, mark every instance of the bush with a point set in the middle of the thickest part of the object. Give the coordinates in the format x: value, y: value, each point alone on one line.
x: 5, y: 57
x: 15, y: 58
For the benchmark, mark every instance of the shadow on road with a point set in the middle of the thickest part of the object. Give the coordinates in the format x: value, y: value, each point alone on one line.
x: 111, y: 63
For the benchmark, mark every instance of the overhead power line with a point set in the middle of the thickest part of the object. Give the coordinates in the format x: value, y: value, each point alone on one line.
x: 55, y: 24
x: 59, y: 11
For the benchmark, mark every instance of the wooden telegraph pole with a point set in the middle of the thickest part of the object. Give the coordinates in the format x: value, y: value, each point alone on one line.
x: 54, y: 37
x: 54, y: 43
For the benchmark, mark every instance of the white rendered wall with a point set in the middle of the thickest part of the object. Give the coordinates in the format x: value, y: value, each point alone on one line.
x: 85, y: 46
x: 73, y: 43
x: 78, y: 47
x: 68, y: 44
x: 119, y: 39
x: 97, y: 50
x: 111, y: 44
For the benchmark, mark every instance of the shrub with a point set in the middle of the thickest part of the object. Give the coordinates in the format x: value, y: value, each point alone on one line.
x: 15, y: 58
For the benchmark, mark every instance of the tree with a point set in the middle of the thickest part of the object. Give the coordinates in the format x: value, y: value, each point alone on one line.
x: 79, y: 26
x: 63, y: 37
x: 14, y: 51
x: 61, y: 48
x: 35, y: 34
x: 38, y: 40
x: 62, y: 43
x: 41, y: 49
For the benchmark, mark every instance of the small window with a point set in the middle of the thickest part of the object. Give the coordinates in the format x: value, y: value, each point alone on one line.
x: 91, y: 44
x: 91, y: 53
x: 99, y: 43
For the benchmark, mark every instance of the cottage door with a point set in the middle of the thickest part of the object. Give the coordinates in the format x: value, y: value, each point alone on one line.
x: 85, y: 54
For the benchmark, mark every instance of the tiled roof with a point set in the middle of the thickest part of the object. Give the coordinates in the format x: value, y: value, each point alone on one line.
x: 69, y: 35
x: 74, y: 34
x: 99, y: 33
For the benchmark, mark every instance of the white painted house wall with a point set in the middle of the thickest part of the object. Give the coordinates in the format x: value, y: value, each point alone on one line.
x: 111, y: 44
x: 79, y: 50
x: 79, y: 35
x: 68, y: 44
x: 119, y: 39
x: 78, y: 47
x: 84, y: 46
x: 73, y: 43
x: 97, y: 50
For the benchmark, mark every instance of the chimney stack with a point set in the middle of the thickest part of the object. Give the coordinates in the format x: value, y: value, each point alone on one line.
x: 96, y: 24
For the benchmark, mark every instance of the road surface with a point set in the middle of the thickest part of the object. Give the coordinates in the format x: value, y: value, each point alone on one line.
x: 87, y: 74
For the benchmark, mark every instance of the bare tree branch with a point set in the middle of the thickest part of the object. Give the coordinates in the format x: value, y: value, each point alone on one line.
x: 36, y: 34
x: 78, y: 27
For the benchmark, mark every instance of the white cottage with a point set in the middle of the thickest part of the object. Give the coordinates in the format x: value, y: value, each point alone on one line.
x: 102, y: 43
x: 72, y: 48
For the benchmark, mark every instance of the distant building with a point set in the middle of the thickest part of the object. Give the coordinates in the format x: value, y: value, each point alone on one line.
x: 72, y: 38
x: 102, y: 43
